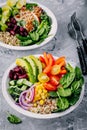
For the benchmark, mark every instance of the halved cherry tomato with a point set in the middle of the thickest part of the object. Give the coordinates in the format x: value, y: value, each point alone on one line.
x: 55, y: 69
x: 50, y: 87
x: 42, y: 77
x: 54, y: 80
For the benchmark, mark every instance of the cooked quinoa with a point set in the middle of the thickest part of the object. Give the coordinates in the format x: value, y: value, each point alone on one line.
x: 47, y: 108
x: 7, y: 38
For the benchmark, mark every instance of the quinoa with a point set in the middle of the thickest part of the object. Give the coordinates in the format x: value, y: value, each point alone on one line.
x: 47, y: 108
x: 9, y: 39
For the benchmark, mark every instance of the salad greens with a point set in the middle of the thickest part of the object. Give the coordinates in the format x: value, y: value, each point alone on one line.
x: 30, y: 6
x: 14, y: 119
x: 33, y: 31
x: 69, y: 89
x: 39, y: 33
x: 18, y: 86
x: 67, y: 79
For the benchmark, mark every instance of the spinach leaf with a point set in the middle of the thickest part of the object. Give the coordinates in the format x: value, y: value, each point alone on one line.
x: 14, y: 119
x: 64, y: 92
x: 78, y: 73
x: 77, y: 84
x: 34, y: 36
x: 67, y: 79
x: 73, y: 99
x: 62, y: 103
x: 69, y: 67
x: 30, y: 6
x: 0, y: 10
x: 36, y: 24
x: 53, y: 94
x: 44, y: 16
x: 41, y: 31
x: 40, y: 41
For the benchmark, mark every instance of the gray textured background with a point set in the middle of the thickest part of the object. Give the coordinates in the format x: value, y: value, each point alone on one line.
x: 62, y: 44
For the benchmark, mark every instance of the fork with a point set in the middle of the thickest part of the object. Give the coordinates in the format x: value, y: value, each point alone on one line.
x: 72, y: 32
x: 77, y: 26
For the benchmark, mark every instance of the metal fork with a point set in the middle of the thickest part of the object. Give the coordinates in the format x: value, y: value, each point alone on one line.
x: 72, y: 32
x: 77, y: 26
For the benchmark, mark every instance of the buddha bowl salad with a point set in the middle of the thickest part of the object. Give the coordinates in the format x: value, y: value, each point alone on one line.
x: 23, y: 24
x: 44, y: 84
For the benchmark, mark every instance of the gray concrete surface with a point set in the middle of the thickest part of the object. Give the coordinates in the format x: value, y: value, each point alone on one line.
x: 62, y: 44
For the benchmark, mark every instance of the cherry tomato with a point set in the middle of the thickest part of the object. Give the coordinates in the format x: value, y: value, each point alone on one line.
x: 55, y: 69
x: 50, y: 87
x: 42, y: 77
x: 54, y: 80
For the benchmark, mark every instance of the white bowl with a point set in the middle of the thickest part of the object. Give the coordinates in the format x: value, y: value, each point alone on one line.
x: 11, y: 102
x: 51, y: 33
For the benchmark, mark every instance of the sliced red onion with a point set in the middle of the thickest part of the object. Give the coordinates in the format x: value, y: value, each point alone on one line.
x: 30, y: 95
x: 24, y: 100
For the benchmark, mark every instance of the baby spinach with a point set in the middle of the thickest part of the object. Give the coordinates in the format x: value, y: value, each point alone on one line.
x: 64, y: 92
x: 41, y: 31
x: 73, y: 99
x: 67, y: 79
x: 14, y: 119
x: 26, y: 43
x: 77, y: 84
x: 78, y: 73
x: 62, y: 103
x: 34, y: 36
x: 0, y: 10
x: 44, y: 16
x: 30, y: 6
x: 53, y: 94
x: 36, y: 24
x: 69, y: 67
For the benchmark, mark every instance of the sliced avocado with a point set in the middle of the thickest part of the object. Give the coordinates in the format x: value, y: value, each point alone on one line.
x: 33, y: 65
x: 37, y: 62
x: 25, y: 64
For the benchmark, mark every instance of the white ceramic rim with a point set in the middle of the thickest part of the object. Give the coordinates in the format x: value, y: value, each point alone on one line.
x: 11, y: 102
x: 52, y: 32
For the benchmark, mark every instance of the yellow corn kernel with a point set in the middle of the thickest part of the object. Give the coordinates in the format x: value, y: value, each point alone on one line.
x: 38, y: 97
x: 44, y: 91
x: 43, y: 97
x: 40, y: 91
x: 35, y: 104
x: 41, y: 102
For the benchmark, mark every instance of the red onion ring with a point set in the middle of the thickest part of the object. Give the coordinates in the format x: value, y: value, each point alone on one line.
x: 24, y: 101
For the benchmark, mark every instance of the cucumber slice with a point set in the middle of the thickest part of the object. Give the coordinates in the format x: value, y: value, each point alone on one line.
x: 26, y: 82
x: 24, y: 87
x: 12, y: 83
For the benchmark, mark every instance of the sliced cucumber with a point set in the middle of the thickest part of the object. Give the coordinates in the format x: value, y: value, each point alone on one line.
x: 26, y: 82
x: 12, y: 83
x: 24, y: 87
